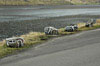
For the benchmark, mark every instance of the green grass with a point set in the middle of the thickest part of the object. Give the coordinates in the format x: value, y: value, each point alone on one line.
x: 4, y: 51
x: 34, y: 38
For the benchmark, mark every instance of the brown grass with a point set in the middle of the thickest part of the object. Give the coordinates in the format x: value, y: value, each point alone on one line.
x: 32, y: 37
x: 81, y: 25
x: 98, y: 20
x: 2, y: 43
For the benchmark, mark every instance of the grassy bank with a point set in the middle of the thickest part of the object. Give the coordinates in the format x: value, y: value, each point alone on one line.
x: 34, y: 38
x: 33, y: 2
x: 49, y: 2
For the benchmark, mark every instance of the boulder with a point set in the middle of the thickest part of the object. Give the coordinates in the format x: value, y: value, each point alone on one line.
x: 51, y: 31
x: 71, y: 28
x: 15, y: 42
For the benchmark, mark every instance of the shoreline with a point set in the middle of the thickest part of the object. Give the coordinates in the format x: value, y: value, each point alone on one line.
x: 10, y: 22
x: 37, y: 38
x: 19, y: 27
x: 54, y: 6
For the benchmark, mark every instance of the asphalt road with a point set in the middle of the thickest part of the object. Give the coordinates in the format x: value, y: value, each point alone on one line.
x: 82, y: 49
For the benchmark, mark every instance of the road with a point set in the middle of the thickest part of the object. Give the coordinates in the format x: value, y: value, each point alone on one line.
x: 82, y: 49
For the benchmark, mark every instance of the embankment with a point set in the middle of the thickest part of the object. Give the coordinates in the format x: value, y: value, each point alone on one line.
x: 34, y: 38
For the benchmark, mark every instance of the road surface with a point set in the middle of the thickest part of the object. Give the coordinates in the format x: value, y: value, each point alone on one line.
x: 82, y: 49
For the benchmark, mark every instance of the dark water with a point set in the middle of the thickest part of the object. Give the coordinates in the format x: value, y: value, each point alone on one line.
x: 18, y: 20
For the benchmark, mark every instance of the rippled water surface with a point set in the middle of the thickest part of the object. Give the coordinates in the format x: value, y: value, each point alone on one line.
x: 27, y: 13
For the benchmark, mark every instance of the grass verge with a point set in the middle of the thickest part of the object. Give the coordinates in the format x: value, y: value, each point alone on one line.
x: 34, y: 38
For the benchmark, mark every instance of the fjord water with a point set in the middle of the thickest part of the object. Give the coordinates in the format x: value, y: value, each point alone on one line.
x: 29, y: 13
x: 18, y: 20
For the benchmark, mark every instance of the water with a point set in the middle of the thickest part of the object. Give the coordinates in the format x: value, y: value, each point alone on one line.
x: 23, y: 19
x: 17, y: 14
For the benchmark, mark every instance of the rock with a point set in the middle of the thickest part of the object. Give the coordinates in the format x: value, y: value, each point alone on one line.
x: 51, y: 31
x: 15, y: 42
